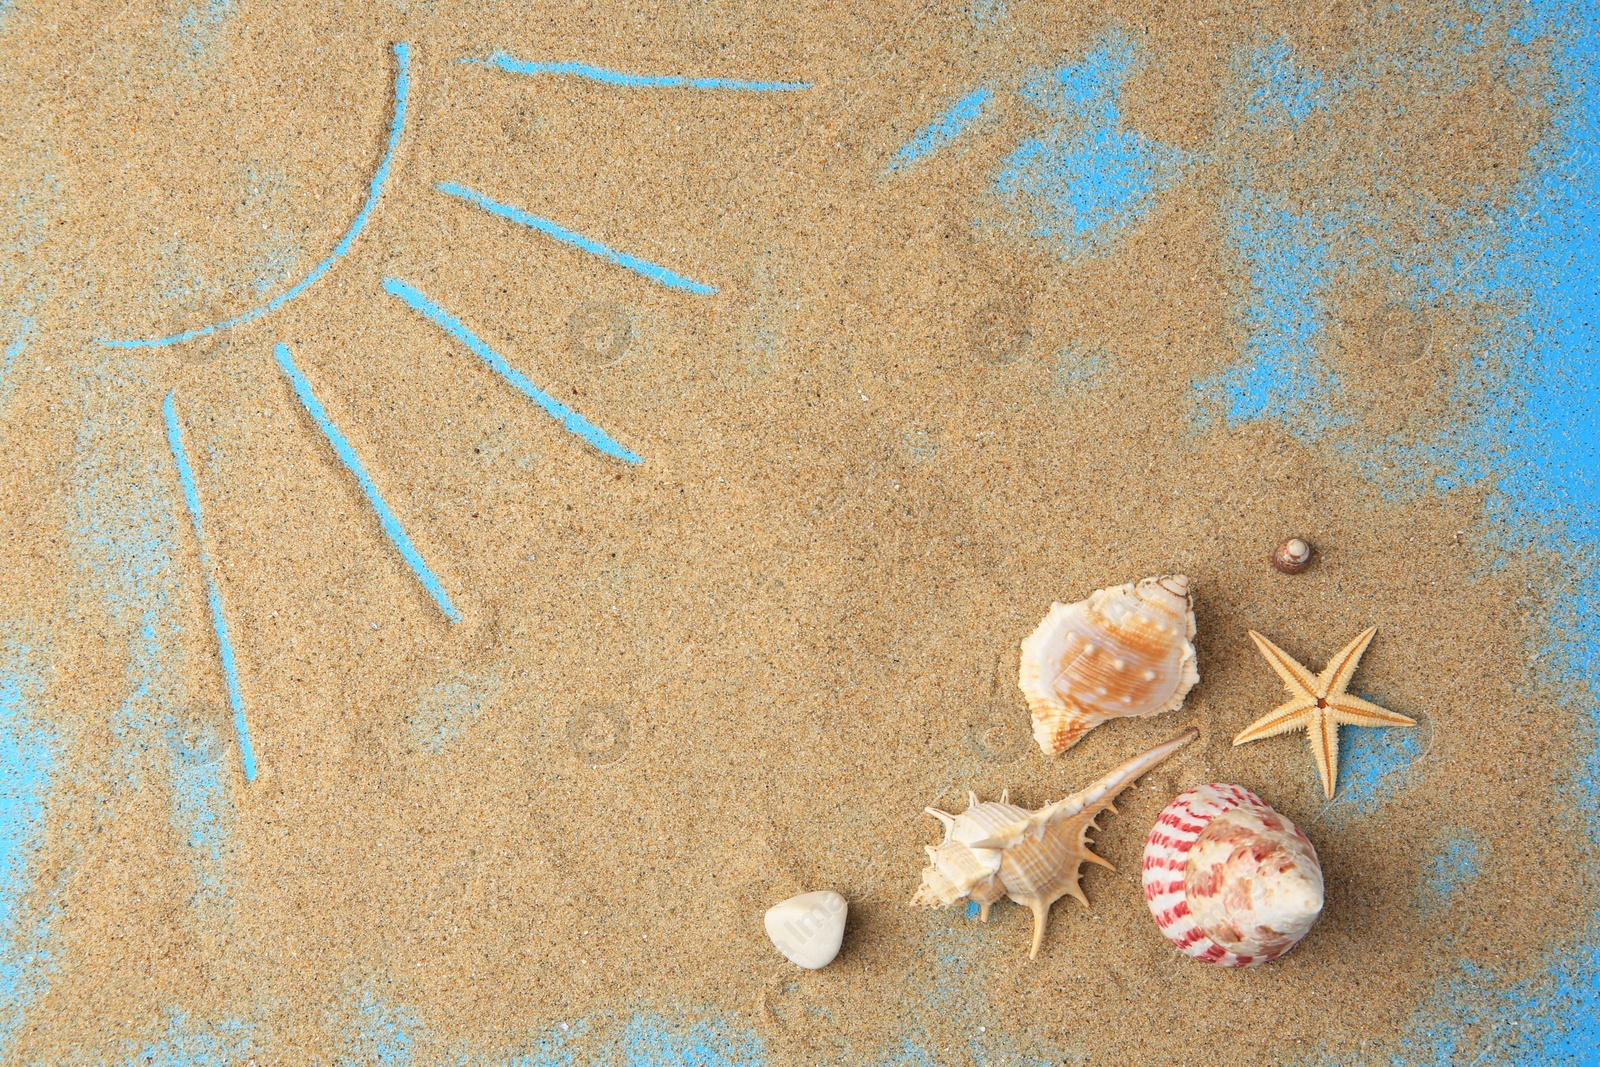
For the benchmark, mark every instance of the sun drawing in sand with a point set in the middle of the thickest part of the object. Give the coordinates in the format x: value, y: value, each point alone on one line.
x: 408, y: 296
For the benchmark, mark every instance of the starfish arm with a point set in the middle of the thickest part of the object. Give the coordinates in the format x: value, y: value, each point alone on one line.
x: 1324, y: 733
x: 1336, y: 675
x: 1296, y: 678
x: 1281, y: 719
x: 1353, y: 711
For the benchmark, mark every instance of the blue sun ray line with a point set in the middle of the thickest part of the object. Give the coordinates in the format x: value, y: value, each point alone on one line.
x: 654, y: 271
x: 570, y: 420
x: 230, y: 667
x: 512, y: 65
x: 402, y: 89
x: 347, y: 455
x: 943, y: 131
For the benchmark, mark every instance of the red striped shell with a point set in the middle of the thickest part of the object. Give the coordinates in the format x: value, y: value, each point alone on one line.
x: 1229, y: 880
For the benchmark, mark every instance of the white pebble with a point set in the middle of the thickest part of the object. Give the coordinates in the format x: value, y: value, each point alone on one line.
x: 809, y: 928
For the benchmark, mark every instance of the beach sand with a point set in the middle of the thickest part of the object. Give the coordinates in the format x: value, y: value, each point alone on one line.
x: 681, y: 691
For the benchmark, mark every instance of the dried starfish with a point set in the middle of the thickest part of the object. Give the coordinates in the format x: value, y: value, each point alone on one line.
x: 1320, y: 705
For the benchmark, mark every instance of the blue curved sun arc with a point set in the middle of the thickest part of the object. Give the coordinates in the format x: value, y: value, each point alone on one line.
x: 402, y: 87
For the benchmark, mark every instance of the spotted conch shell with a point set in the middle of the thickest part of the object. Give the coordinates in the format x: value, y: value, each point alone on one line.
x: 1126, y: 650
x: 1229, y: 880
x: 997, y: 849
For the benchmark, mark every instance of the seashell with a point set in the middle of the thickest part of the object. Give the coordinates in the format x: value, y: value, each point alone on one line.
x: 1229, y: 880
x: 1126, y: 650
x: 1033, y: 857
x: 808, y: 929
x: 1292, y: 555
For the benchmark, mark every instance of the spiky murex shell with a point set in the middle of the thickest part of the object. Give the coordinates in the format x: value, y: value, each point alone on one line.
x: 1033, y: 857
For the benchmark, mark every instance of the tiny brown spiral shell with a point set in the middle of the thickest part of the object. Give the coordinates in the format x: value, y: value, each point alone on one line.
x: 1292, y: 555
